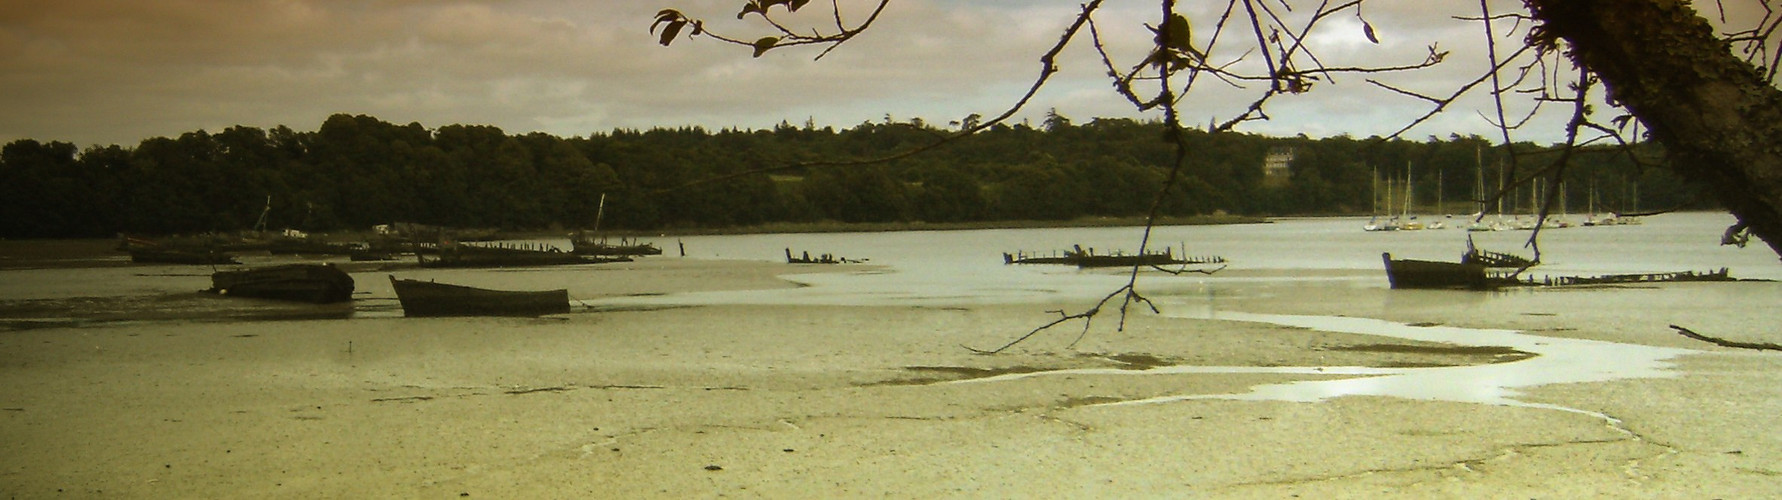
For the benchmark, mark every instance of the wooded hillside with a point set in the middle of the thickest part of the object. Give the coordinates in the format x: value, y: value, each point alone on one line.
x: 358, y: 171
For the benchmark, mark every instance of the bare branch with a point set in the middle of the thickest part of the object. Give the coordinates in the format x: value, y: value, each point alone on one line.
x: 1048, y: 67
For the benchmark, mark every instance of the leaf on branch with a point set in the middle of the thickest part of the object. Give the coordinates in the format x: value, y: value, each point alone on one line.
x: 754, y: 6
x: 761, y: 6
x: 671, y: 21
x: 765, y: 43
x: 1621, y: 121
x: 1368, y: 29
x: 1180, y: 33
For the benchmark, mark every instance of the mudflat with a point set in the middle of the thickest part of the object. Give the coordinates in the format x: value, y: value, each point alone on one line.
x: 791, y: 401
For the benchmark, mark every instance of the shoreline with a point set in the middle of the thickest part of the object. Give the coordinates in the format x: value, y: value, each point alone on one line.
x: 31, y: 247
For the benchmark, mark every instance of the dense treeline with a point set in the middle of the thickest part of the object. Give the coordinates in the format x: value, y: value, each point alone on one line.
x: 357, y: 171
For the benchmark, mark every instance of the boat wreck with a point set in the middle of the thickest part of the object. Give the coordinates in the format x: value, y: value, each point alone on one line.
x: 1489, y: 258
x: 462, y: 256
x: 1615, y: 279
x: 427, y: 298
x: 806, y: 258
x: 582, y: 244
x: 1430, y: 274
x: 1426, y: 274
x: 1079, y: 257
x: 315, y: 283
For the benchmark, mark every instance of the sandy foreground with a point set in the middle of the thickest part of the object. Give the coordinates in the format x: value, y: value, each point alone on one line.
x: 825, y: 402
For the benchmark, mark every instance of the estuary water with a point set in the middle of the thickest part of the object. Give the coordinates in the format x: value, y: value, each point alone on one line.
x: 954, y: 267
x: 962, y: 268
x: 1332, y: 254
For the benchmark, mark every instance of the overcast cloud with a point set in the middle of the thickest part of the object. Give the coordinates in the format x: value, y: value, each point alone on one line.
x: 110, y: 72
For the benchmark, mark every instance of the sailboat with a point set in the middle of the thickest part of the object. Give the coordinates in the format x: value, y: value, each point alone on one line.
x: 1411, y: 223
x: 1375, y: 224
x: 1616, y: 219
x: 1562, y: 221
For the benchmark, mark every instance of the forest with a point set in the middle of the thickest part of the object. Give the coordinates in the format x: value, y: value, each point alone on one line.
x: 357, y: 171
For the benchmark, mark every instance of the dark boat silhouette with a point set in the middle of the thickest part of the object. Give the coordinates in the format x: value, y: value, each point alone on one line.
x: 427, y: 298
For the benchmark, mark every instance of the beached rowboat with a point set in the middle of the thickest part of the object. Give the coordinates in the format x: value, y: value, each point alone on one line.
x: 427, y: 298
x: 318, y: 283
x: 1408, y: 273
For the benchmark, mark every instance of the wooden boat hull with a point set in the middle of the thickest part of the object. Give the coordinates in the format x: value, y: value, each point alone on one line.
x: 426, y: 298
x: 594, y: 248
x: 1412, y: 274
x: 317, y: 283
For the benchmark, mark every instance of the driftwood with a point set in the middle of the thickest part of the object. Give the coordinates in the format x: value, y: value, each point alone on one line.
x: 1760, y: 346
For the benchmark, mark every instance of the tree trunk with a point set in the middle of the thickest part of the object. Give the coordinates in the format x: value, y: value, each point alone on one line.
x: 1715, y: 115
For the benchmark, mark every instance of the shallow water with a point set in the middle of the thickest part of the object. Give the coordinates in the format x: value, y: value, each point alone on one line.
x: 960, y: 267
x: 1559, y: 360
x: 954, y: 267
x: 951, y: 268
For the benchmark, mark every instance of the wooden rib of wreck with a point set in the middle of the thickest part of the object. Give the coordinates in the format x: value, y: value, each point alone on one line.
x: 317, y: 283
x: 806, y: 258
x: 1164, y: 258
x: 310, y: 246
x: 1023, y: 258
x: 1079, y: 257
x: 1489, y: 258
x: 1614, y: 279
x: 427, y: 298
x: 456, y: 255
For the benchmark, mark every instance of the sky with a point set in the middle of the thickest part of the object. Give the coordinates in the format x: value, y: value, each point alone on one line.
x: 102, y: 72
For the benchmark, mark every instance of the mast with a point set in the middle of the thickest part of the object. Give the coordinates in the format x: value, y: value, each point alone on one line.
x: 599, y: 212
x: 1407, y: 189
x: 1479, y: 180
x: 1500, y: 187
x: 1374, y: 180
x: 260, y: 226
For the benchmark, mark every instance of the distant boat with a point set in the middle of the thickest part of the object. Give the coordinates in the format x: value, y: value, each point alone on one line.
x: 318, y: 283
x: 427, y: 298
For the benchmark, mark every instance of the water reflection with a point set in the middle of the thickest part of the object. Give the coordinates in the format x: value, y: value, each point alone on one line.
x: 1558, y: 361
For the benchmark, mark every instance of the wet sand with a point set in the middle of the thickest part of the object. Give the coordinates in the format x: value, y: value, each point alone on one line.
x: 822, y: 402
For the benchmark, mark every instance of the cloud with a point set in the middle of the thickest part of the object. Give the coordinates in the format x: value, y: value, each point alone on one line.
x: 102, y: 72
